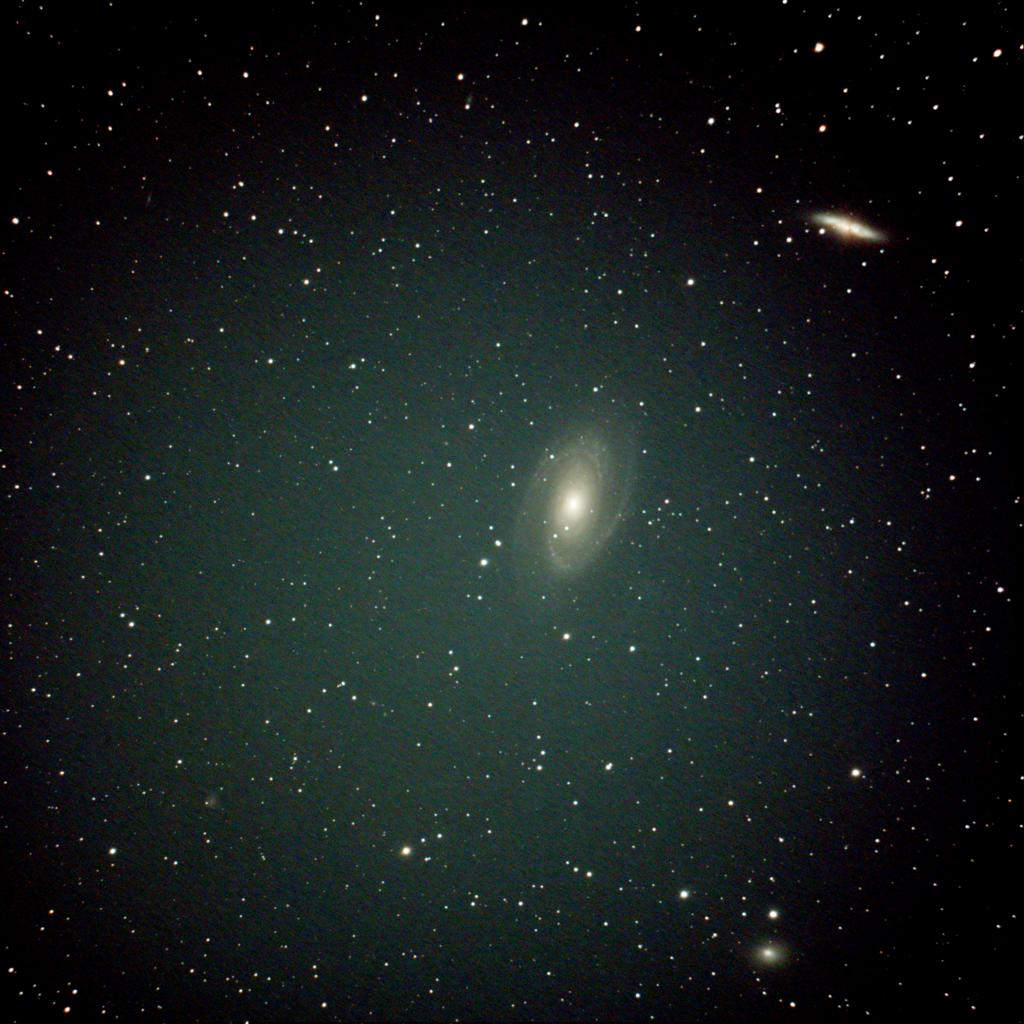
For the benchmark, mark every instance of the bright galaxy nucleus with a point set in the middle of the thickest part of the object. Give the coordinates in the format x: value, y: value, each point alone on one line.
x: 577, y: 497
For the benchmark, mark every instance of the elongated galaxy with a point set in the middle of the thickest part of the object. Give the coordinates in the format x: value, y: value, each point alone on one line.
x: 849, y: 229
x: 576, y: 499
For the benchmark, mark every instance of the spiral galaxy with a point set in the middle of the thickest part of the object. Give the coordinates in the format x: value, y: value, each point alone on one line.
x: 576, y: 499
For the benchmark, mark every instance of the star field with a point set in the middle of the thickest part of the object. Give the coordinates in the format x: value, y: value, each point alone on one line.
x: 508, y: 517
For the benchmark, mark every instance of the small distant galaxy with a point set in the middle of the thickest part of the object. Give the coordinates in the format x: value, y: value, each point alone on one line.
x: 849, y: 229
x: 770, y: 954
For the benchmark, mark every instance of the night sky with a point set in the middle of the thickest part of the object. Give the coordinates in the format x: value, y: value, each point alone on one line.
x: 509, y: 516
